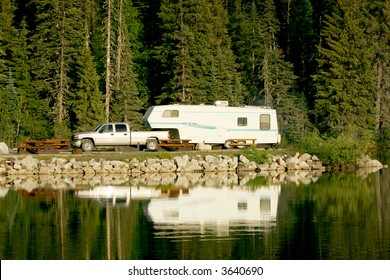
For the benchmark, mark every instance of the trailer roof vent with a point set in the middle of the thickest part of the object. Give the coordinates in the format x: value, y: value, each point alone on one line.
x: 221, y: 103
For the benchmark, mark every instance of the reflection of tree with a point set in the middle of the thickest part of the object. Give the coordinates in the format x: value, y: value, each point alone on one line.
x: 341, y: 216
x: 382, y: 191
x: 335, y: 219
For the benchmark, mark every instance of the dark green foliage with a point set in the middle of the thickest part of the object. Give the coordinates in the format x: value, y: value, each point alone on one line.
x: 127, y: 102
x: 302, y: 43
x: 327, y: 60
x: 255, y: 155
x: 378, y: 22
x: 86, y: 102
x: 22, y: 112
x: 345, y: 80
x: 342, y: 151
x: 8, y: 96
x: 196, y: 54
x: 268, y: 77
x: 56, y: 44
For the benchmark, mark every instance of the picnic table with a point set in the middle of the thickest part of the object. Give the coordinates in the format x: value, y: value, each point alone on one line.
x: 45, y: 146
x: 176, y: 143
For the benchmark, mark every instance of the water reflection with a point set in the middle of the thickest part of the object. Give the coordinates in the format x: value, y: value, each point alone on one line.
x: 214, y: 211
x: 112, y: 196
x: 197, y: 216
x: 77, y: 181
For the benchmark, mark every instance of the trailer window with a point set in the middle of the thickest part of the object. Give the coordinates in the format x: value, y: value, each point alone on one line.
x: 265, y: 122
x: 242, y: 121
x: 171, y: 114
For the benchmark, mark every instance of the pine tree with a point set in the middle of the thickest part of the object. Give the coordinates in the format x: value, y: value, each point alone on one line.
x: 378, y: 17
x: 301, y: 50
x: 32, y: 122
x: 108, y: 65
x: 268, y: 76
x: 196, y: 54
x: 345, y: 81
x: 21, y: 113
x: 86, y: 101
x: 87, y: 104
x: 126, y: 100
x: 7, y: 89
x: 56, y: 44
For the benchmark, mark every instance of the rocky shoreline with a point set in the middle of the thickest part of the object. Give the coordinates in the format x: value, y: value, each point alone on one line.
x: 178, y: 164
x: 183, y: 170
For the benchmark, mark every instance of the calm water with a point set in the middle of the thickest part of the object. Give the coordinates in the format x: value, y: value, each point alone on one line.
x: 198, y: 216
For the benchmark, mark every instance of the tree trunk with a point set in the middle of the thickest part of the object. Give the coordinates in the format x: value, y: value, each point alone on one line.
x: 378, y: 99
x: 120, y: 46
x: 61, y: 91
x: 108, y: 63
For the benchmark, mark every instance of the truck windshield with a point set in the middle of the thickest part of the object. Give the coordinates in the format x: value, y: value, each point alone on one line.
x: 97, y: 128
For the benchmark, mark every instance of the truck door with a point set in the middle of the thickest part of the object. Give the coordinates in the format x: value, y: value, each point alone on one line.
x: 122, y: 135
x: 106, y: 135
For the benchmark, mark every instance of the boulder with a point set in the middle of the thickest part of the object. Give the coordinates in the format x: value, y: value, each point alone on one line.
x: 304, y: 157
x: 30, y: 164
x: 243, y: 159
x: 203, y: 147
x: 3, y: 149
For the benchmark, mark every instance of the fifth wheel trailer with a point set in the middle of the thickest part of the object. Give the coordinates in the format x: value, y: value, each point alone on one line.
x: 216, y: 124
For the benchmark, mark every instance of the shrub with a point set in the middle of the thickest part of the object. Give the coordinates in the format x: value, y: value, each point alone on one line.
x: 255, y: 155
x: 343, y: 150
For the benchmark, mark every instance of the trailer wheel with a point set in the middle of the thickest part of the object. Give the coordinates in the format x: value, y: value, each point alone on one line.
x: 151, y: 144
x: 87, y: 145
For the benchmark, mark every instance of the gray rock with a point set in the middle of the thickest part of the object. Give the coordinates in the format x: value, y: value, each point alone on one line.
x: 314, y: 158
x: 304, y: 157
x: 3, y: 149
x: 243, y: 159
x: 30, y: 164
x: 263, y: 167
x: 181, y: 162
x: 303, y: 165
x: 374, y: 163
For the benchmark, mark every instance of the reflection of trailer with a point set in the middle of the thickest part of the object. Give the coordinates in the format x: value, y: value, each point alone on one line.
x: 216, y: 124
x: 217, y: 206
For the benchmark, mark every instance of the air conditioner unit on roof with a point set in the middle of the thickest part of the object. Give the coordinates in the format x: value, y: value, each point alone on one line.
x: 221, y: 103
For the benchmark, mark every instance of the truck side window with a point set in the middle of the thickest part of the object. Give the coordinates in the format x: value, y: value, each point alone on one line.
x: 106, y: 128
x: 242, y: 121
x: 265, y: 122
x: 120, y: 128
x: 170, y: 114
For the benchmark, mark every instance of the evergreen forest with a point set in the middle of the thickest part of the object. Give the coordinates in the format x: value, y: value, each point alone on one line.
x: 66, y: 66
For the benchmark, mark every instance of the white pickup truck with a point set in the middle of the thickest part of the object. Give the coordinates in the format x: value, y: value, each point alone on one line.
x: 117, y: 134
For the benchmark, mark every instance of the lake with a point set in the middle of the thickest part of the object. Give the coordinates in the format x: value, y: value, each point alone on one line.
x: 294, y: 216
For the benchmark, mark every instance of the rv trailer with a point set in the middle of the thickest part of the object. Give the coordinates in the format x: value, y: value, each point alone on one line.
x: 216, y: 124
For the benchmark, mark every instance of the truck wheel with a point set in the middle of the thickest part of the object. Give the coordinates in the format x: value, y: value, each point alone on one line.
x: 87, y: 145
x: 151, y: 144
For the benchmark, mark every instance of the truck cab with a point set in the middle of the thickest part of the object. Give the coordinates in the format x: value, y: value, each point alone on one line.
x: 116, y: 134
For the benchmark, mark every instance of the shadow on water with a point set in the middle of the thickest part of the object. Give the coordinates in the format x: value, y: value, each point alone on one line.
x: 297, y: 215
